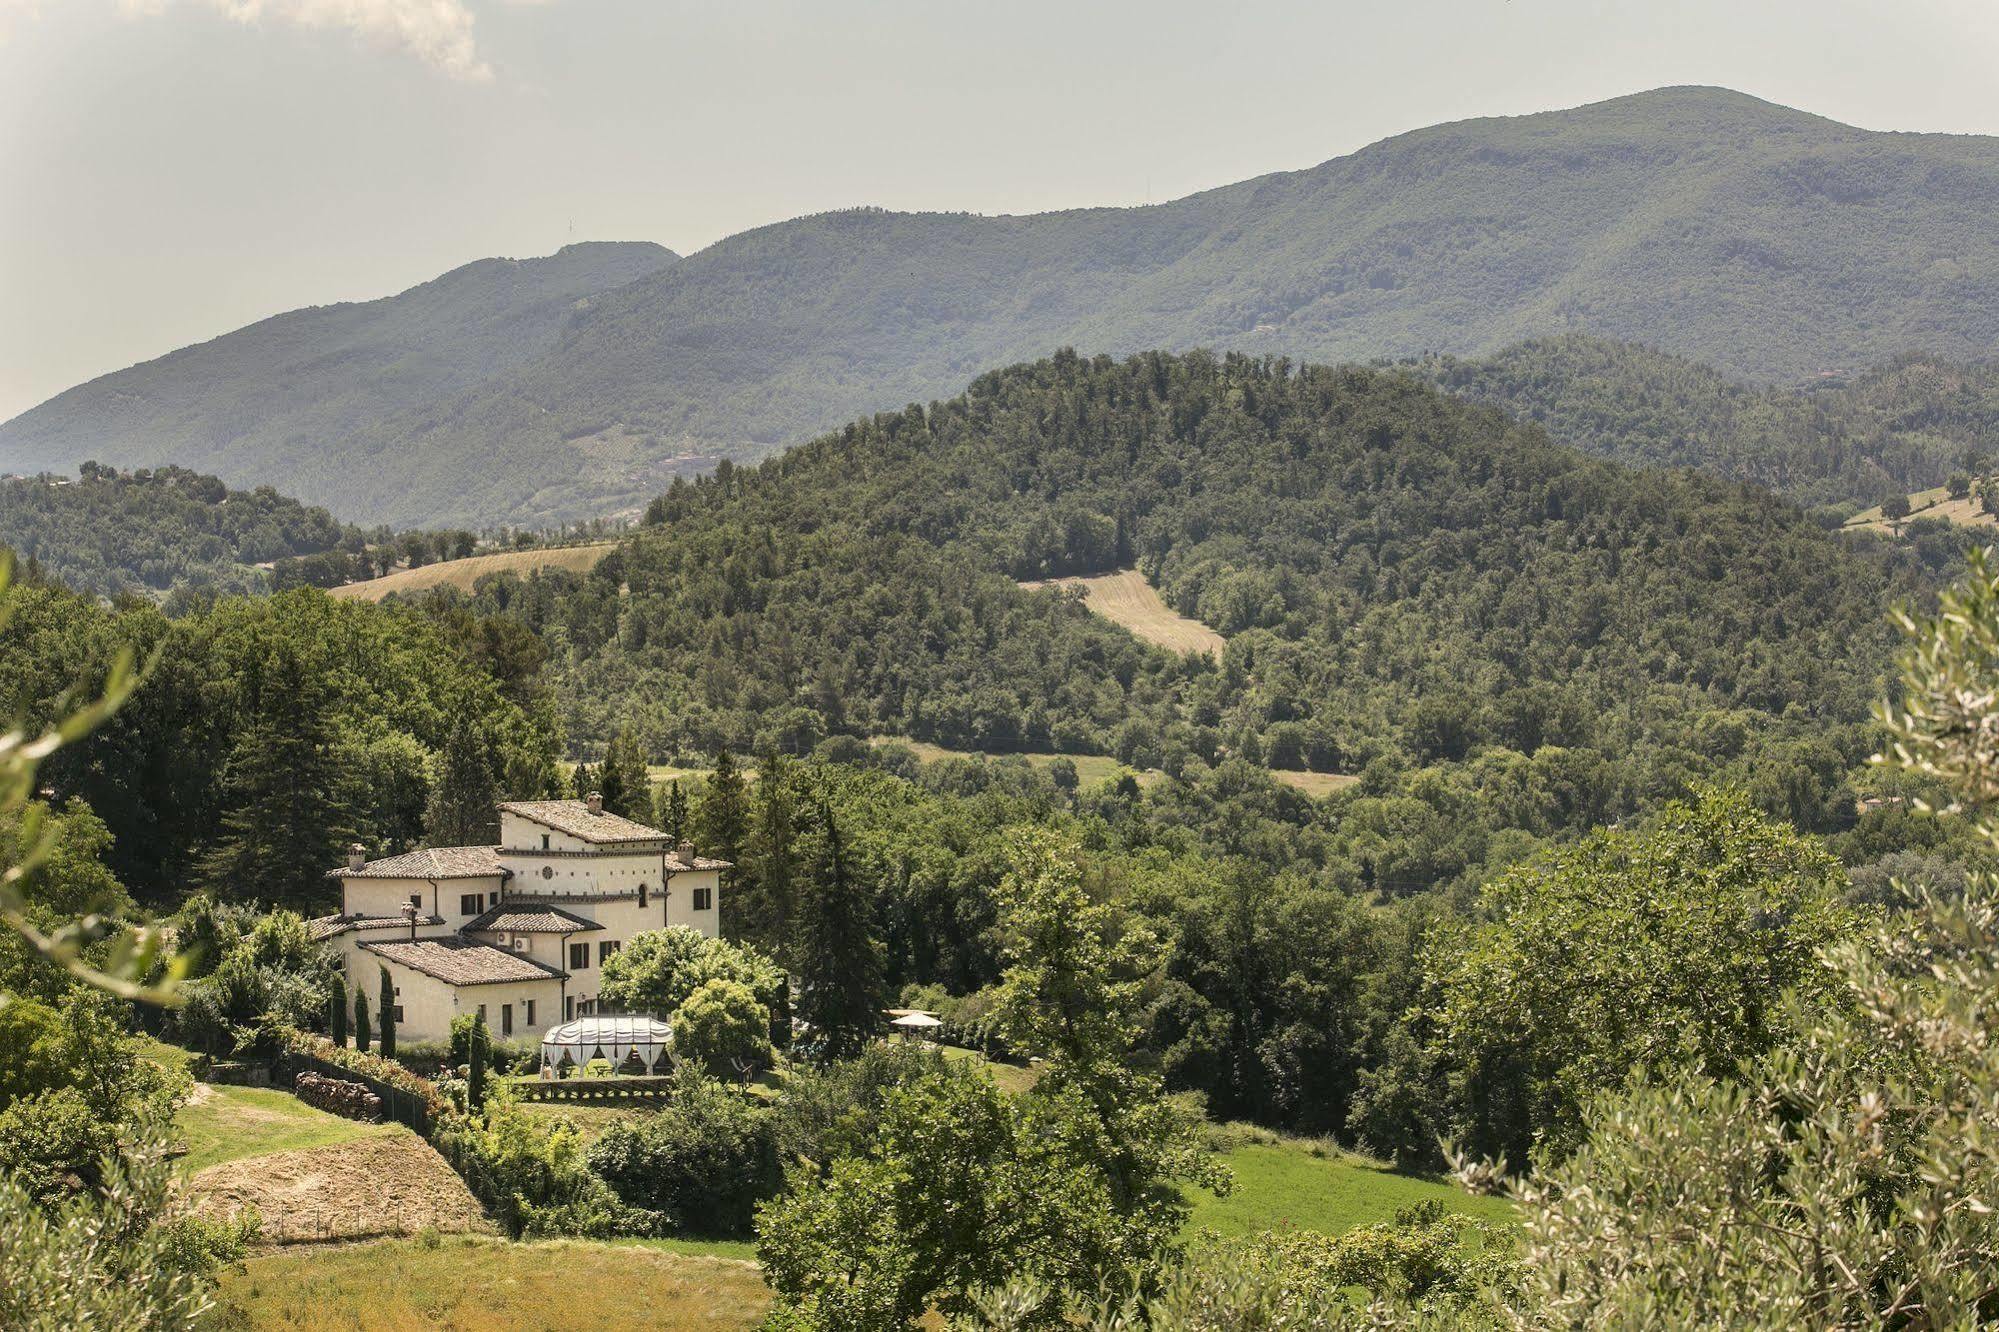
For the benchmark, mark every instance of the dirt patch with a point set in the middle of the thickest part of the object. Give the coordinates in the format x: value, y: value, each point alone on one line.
x: 389, y: 1185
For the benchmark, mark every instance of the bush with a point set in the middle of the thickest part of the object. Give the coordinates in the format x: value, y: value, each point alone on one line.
x: 706, y: 1160
x: 722, y: 1028
x: 533, y: 1177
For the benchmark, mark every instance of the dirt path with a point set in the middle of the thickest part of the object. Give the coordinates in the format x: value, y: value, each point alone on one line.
x: 389, y: 1185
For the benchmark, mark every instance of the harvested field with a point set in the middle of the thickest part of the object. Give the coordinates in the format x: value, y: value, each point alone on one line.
x: 462, y: 574
x: 1935, y: 503
x: 484, y: 1285
x: 1126, y: 598
x: 228, y: 1123
x: 390, y: 1184
x: 1314, y: 784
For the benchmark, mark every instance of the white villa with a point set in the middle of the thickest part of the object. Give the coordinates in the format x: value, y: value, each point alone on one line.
x: 517, y: 931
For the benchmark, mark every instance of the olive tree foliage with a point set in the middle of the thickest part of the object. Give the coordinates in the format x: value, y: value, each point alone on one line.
x: 1849, y: 1178
x: 722, y: 1029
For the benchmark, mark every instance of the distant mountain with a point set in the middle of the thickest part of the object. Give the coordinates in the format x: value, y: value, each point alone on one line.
x: 1769, y: 243
x: 1908, y: 425
x: 283, y: 401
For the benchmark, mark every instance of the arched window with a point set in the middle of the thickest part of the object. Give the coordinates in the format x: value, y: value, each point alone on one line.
x: 642, y: 895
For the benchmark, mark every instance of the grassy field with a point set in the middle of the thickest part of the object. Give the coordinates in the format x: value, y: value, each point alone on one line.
x: 1126, y: 598
x: 234, y: 1123
x: 1283, y: 1183
x: 1935, y: 503
x: 466, y: 1284
x: 462, y: 574
x: 1314, y: 784
x: 1091, y: 769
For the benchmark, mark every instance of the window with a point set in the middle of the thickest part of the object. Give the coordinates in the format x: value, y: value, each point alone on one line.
x: 579, y: 956
x: 506, y: 1019
x: 605, y: 949
x: 642, y: 896
x: 399, y: 1012
x: 544, y: 841
x: 471, y: 904
x: 704, y: 898
x: 589, y: 1007
x: 416, y: 900
x: 548, y: 871
x: 482, y: 1012
x: 530, y: 1013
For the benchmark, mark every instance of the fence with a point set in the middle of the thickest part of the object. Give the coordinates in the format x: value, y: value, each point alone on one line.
x: 402, y: 1106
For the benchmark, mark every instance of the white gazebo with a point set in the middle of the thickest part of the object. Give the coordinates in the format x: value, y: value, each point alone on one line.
x: 609, y: 1036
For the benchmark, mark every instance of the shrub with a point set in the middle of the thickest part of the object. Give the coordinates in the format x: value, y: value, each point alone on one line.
x: 705, y: 1160
x: 533, y: 1177
x: 722, y: 1028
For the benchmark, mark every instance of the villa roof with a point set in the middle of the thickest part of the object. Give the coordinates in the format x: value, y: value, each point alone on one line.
x: 327, y: 927
x: 432, y: 862
x: 575, y: 818
x: 456, y: 960
x: 529, y: 918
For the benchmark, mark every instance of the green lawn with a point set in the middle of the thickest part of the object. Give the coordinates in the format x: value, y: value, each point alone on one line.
x: 1011, y: 1078
x: 231, y: 1123
x: 689, y: 1247
x: 1282, y: 1184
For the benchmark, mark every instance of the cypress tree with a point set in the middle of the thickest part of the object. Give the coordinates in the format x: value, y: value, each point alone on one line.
x: 361, y: 1027
x: 476, y: 1054
x: 388, y: 1003
x: 461, y: 810
x: 839, y: 962
x: 337, y: 1014
x: 285, y: 788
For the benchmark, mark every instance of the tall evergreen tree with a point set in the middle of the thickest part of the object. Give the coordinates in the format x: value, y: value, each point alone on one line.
x: 287, y: 812
x: 361, y: 1020
x: 336, y: 1002
x: 623, y: 780
x: 764, y: 888
x: 388, y: 1005
x: 464, y: 800
x: 478, y: 1049
x: 723, y: 821
x: 835, y: 955
x: 673, y: 811
x: 583, y: 781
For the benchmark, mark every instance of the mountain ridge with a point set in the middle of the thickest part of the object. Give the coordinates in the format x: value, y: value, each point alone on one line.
x: 1769, y: 242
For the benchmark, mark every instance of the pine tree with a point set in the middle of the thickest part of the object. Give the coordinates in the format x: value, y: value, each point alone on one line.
x: 388, y: 1004
x: 673, y: 811
x: 361, y: 1027
x: 285, y: 788
x: 583, y: 781
x: 723, y: 821
x: 835, y: 955
x: 623, y: 780
x: 462, y: 806
x: 336, y: 998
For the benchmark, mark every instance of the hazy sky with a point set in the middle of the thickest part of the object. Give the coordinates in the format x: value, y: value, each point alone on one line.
x: 171, y: 169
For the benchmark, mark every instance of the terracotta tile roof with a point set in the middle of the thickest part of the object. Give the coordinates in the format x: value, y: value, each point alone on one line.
x: 680, y: 864
x: 456, y: 960
x: 574, y: 818
x: 326, y: 927
x: 432, y: 862
x: 529, y: 918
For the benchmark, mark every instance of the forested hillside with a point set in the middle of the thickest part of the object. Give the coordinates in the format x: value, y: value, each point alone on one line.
x: 288, y: 401
x: 1405, y: 580
x: 1766, y: 242
x: 153, y: 530
x: 1904, y: 426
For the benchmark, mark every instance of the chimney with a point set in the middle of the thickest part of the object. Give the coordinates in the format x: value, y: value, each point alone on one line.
x: 596, y: 802
x: 685, y: 853
x: 357, y: 856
